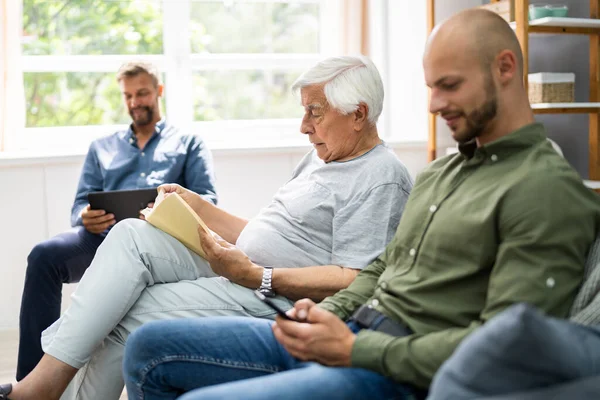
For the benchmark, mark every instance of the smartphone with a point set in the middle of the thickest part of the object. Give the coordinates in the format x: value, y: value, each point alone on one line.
x: 272, y: 304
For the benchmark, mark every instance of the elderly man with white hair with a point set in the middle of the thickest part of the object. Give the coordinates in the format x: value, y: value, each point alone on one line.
x: 331, y: 219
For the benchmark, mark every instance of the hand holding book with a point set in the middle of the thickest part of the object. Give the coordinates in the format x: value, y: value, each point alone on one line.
x: 228, y: 261
x: 173, y: 215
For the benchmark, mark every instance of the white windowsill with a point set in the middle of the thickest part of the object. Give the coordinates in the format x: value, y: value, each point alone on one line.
x: 299, y: 145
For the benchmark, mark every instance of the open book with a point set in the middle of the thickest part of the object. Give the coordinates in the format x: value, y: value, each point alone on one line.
x: 172, y: 215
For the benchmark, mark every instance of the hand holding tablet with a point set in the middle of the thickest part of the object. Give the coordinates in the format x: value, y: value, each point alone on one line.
x: 122, y: 203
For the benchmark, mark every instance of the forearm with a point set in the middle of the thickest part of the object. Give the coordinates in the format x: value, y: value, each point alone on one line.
x: 412, y: 359
x: 226, y: 225
x: 314, y: 283
x: 345, y: 302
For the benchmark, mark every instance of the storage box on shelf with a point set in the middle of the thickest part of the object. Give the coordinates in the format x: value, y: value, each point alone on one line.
x: 546, y: 87
x: 541, y: 10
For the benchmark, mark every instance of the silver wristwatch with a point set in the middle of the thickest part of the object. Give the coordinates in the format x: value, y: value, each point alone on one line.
x: 265, y: 286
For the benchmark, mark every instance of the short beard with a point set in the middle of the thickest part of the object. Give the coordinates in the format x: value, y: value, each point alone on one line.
x: 479, y: 119
x: 143, y: 121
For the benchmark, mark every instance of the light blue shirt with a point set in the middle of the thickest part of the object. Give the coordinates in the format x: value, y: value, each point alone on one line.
x: 338, y: 213
x: 116, y: 162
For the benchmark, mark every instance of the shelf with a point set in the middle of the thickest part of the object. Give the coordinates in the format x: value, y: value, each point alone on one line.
x: 575, y: 26
x: 566, y: 108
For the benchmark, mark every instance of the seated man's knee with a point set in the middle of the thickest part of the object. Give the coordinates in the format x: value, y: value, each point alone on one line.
x: 42, y: 255
x: 139, y: 347
x: 129, y: 227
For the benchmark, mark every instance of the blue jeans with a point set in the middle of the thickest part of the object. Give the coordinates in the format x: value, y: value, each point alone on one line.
x: 61, y: 259
x: 237, y: 358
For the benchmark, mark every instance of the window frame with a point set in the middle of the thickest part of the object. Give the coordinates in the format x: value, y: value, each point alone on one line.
x: 178, y: 64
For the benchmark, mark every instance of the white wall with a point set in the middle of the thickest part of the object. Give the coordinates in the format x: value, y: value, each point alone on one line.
x: 36, y: 197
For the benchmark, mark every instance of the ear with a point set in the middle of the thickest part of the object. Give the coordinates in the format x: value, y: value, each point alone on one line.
x: 507, y: 66
x: 160, y: 90
x: 361, y: 117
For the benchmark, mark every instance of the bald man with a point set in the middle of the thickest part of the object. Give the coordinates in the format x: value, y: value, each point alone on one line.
x: 504, y: 221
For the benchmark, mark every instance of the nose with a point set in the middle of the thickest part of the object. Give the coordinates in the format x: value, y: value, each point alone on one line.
x: 305, y: 126
x: 133, y: 102
x: 437, y: 102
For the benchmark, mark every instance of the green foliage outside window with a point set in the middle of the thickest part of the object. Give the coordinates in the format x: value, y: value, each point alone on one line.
x: 107, y: 27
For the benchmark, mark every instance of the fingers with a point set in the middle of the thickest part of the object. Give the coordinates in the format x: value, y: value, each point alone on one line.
x: 207, y: 241
x: 317, y: 314
x: 98, y: 224
x: 141, y: 214
x: 170, y: 188
x: 101, y: 219
x: 295, y: 346
x: 89, y: 213
x: 292, y: 314
x: 295, y: 329
x: 99, y: 228
x: 301, y: 308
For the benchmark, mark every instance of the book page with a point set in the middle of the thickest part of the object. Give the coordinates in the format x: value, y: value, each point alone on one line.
x: 159, y: 198
x: 172, y: 215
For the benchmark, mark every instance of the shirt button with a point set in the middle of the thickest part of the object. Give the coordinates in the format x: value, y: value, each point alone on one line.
x: 494, y: 158
x: 375, y: 302
x: 143, y: 154
x: 433, y: 208
x: 383, y: 285
x: 412, y: 252
x: 130, y: 140
x: 142, y: 174
x: 550, y: 282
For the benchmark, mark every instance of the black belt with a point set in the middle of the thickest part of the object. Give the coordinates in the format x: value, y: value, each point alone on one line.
x: 369, y: 318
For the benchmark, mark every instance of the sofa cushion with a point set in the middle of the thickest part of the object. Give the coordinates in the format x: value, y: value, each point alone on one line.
x: 520, y: 349
x: 586, y: 307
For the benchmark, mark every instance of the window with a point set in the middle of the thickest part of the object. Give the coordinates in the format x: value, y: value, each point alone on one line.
x: 59, y: 35
x: 406, y: 91
x: 227, y: 65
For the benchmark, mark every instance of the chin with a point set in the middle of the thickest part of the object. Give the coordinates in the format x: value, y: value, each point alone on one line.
x: 142, y: 122
x: 325, y: 156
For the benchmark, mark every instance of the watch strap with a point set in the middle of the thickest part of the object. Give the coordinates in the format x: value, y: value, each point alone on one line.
x: 266, y: 287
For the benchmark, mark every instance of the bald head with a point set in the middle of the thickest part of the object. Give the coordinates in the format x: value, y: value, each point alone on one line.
x: 474, y: 66
x: 481, y: 33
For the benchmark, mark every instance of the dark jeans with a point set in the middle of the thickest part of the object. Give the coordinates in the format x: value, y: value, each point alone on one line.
x: 61, y: 259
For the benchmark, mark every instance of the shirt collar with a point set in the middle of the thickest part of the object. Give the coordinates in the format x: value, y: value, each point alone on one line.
x: 520, y: 139
x: 158, y: 128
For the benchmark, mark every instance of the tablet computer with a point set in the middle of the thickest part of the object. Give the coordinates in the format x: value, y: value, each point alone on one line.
x: 122, y: 203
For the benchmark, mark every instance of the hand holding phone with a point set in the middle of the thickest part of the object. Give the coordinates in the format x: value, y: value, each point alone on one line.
x: 272, y: 304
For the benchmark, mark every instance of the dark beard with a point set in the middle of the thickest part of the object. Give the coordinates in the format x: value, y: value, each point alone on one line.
x: 479, y: 119
x: 142, y: 121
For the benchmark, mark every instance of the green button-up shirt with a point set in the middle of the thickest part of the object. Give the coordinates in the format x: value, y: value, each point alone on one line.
x: 483, y: 229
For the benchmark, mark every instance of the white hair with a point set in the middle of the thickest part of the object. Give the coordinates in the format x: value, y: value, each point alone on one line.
x: 349, y: 81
